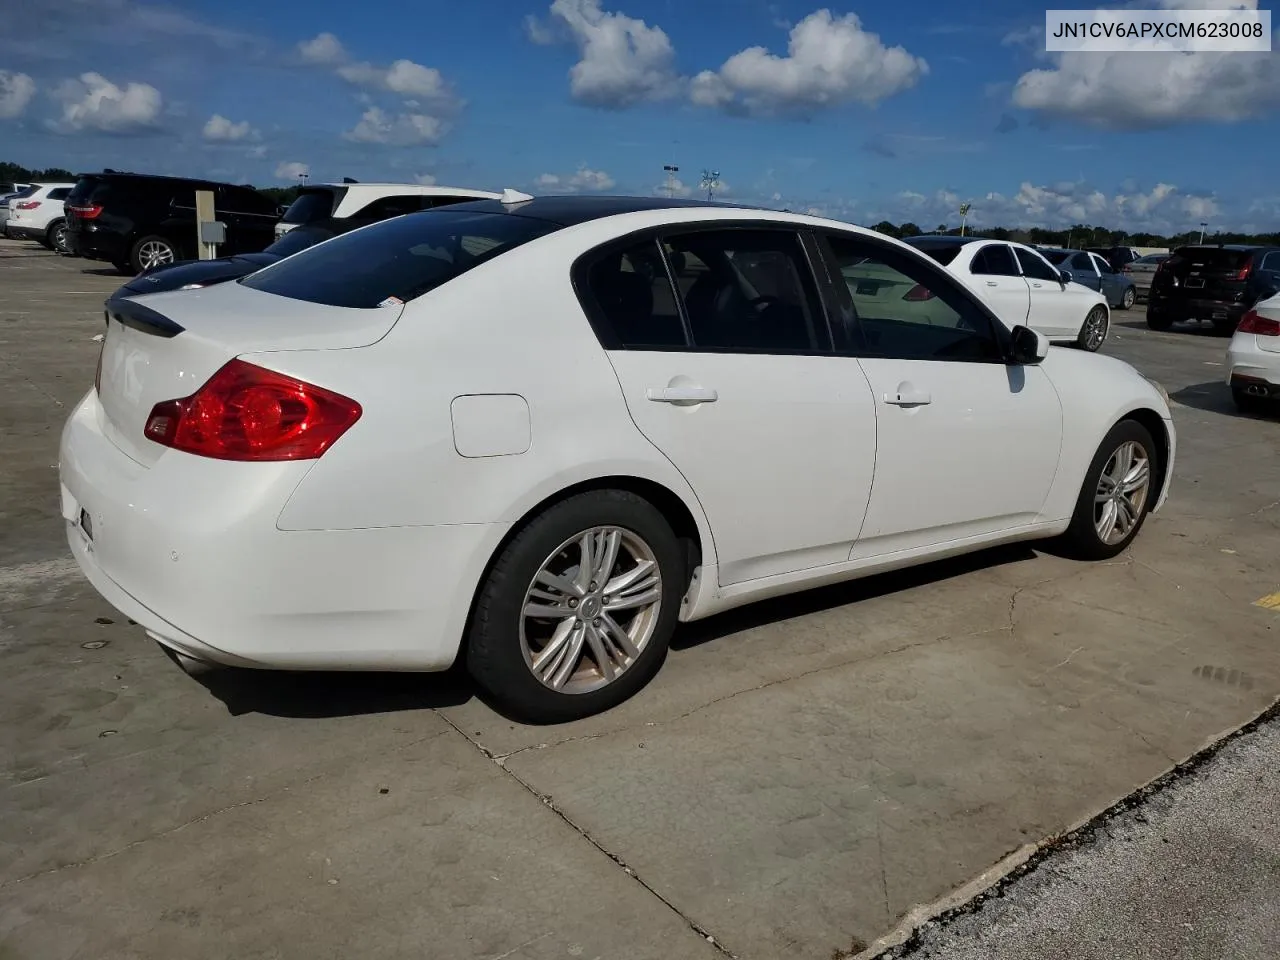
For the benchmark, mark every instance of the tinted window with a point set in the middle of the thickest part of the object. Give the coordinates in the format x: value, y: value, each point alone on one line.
x: 908, y: 311
x: 244, y: 200
x: 385, y: 207
x: 1153, y: 258
x: 312, y: 205
x: 1214, y: 257
x: 1271, y: 262
x: 298, y: 239
x: 745, y: 290
x: 994, y: 260
x: 1034, y: 266
x: 1080, y: 261
x: 401, y: 258
x: 633, y: 295
x: 59, y: 193
x: 942, y: 251
x: 1101, y: 263
x: 23, y: 193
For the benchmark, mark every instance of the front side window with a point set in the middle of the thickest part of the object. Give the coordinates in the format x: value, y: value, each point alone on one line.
x: 1034, y: 266
x: 396, y: 260
x: 906, y: 309
x: 1271, y: 262
x: 746, y: 290
x: 994, y: 260
x: 1101, y: 264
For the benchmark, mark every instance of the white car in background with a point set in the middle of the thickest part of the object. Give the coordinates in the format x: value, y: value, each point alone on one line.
x: 1023, y: 287
x: 37, y: 215
x: 1253, y: 358
x: 342, y: 207
x: 534, y: 435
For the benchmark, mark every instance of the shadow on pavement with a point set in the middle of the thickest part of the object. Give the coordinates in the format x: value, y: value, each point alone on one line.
x: 1215, y: 397
x: 1191, y: 329
x: 101, y: 272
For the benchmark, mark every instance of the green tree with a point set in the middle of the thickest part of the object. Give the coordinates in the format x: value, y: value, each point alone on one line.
x: 887, y: 228
x: 909, y: 229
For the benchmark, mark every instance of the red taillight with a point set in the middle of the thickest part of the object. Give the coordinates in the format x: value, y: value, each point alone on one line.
x: 247, y: 413
x: 1243, y: 272
x: 28, y: 204
x: 86, y: 212
x: 917, y: 293
x: 1251, y: 322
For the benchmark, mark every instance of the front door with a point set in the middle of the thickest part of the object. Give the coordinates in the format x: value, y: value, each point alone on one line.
x: 967, y: 445
x: 996, y: 277
x: 1055, y: 311
x: 720, y: 346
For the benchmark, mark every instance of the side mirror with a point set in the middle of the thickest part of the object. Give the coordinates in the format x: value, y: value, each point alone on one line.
x: 1065, y: 277
x: 1028, y: 346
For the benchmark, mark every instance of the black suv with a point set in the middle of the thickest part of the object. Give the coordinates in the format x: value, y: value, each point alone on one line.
x: 137, y: 221
x: 1216, y: 283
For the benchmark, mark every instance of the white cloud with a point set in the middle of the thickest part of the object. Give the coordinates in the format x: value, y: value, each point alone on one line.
x: 426, y: 179
x: 584, y: 180
x: 403, y: 77
x: 323, y: 49
x: 1136, y: 90
x: 16, y: 91
x: 219, y: 128
x: 676, y: 188
x: 1161, y: 209
x: 292, y: 170
x: 624, y: 61
x: 256, y: 153
x: 404, y: 129
x: 829, y: 61
x: 95, y: 103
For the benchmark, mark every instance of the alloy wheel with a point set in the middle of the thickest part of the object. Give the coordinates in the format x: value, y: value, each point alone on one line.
x: 1128, y: 298
x: 59, y: 238
x: 1095, y: 328
x: 591, y: 610
x: 1122, y: 492
x: 154, y: 253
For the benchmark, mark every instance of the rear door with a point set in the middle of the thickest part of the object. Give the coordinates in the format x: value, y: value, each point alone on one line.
x: 996, y: 276
x: 1084, y: 267
x: 250, y: 218
x: 720, y: 343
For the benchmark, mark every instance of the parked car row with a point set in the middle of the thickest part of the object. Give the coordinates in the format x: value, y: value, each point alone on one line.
x: 35, y: 212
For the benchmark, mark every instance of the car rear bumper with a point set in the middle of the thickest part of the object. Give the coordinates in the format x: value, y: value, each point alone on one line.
x: 1192, y: 309
x: 189, y: 549
x: 22, y: 231
x: 1251, y: 368
x: 93, y: 244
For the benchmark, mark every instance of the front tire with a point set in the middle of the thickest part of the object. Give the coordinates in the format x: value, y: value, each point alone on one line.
x: 1118, y: 492
x: 150, y: 252
x: 1093, y: 332
x: 1128, y: 299
x: 577, y: 611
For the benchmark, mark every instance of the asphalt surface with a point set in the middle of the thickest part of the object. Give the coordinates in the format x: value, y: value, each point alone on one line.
x: 801, y: 776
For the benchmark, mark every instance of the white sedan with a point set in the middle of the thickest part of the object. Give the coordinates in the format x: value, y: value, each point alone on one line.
x: 1253, y: 357
x: 1022, y: 287
x: 538, y: 433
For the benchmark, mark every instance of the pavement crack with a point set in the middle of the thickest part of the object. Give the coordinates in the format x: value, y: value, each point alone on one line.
x: 551, y: 805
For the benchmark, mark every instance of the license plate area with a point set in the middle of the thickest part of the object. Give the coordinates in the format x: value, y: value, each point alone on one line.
x: 1195, y: 281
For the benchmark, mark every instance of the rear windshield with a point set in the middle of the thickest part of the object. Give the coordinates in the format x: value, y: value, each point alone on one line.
x: 23, y: 193
x: 944, y: 251
x: 298, y: 240
x: 312, y: 205
x: 1153, y: 258
x: 1056, y: 256
x: 396, y: 260
x: 1214, y: 257
x: 94, y: 192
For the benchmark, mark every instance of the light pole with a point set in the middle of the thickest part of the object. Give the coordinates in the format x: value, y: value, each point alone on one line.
x: 671, y: 171
x: 1202, y: 226
x: 710, y: 182
x: 964, y: 215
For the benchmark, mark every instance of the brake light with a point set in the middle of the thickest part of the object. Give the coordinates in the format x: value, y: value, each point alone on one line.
x: 1243, y: 272
x: 28, y: 204
x: 918, y: 293
x: 246, y: 412
x: 85, y: 212
x: 1251, y: 322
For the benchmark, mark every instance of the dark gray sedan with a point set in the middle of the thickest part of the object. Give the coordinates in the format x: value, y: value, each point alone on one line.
x: 1093, y: 271
x: 1141, y: 271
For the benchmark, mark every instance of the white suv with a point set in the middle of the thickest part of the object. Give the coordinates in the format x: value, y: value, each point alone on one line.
x: 38, y: 215
x: 356, y: 204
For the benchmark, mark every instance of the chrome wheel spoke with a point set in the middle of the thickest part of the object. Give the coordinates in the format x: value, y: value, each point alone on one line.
x: 601, y: 656
x: 550, y: 656
x: 572, y: 656
x: 606, y: 558
x: 1121, y: 494
x: 1107, y: 522
x: 618, y: 638
x: 560, y: 584
x: 1136, y: 478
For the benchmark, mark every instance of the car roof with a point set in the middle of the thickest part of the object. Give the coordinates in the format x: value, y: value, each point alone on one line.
x: 570, y: 210
x: 942, y: 238
x: 126, y: 175
x: 1238, y: 247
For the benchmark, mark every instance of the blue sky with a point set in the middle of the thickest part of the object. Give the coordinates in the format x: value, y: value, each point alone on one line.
x: 864, y: 111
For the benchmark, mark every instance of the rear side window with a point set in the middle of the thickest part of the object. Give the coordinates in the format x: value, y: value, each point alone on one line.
x: 311, y: 206
x: 1034, y: 266
x: 995, y: 260
x: 396, y: 260
x: 943, y: 252
x: 59, y: 193
x: 633, y: 293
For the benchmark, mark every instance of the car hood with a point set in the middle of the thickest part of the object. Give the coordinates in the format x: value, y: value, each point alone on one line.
x: 203, y: 272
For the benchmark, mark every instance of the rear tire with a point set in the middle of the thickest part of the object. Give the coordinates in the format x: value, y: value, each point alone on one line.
x: 1128, y: 299
x: 55, y: 238
x: 1094, y: 330
x: 151, y: 251
x: 539, y: 568
x: 1100, y: 499
x: 1157, y: 320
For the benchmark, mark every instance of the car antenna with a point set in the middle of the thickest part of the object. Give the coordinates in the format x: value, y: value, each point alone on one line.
x: 510, y: 197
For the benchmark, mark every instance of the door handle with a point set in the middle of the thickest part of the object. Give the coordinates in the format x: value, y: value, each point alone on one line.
x: 992, y: 283
x: 908, y: 398
x: 682, y: 395
x: 1037, y: 285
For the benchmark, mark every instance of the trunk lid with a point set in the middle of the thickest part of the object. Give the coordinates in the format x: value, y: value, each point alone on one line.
x: 168, y: 346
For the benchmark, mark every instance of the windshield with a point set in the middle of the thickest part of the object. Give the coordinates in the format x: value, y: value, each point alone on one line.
x: 1215, y: 257
x: 1056, y: 256
x: 396, y: 260
x: 317, y: 203
x: 297, y: 240
x: 943, y: 251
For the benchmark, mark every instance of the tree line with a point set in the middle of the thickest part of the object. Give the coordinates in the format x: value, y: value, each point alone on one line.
x: 15, y: 173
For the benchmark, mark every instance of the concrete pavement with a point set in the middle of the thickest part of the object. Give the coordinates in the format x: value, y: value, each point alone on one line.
x: 800, y: 774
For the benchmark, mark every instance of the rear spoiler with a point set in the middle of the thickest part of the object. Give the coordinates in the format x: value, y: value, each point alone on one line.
x: 130, y: 313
